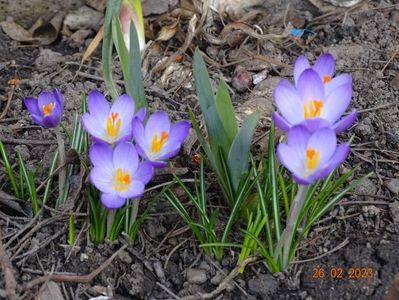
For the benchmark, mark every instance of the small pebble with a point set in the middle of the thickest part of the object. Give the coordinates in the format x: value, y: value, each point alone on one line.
x: 196, y: 276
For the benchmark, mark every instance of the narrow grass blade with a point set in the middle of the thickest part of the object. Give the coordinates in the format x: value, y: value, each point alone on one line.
x: 135, y: 83
x: 225, y: 110
x: 9, y: 170
x: 112, y: 9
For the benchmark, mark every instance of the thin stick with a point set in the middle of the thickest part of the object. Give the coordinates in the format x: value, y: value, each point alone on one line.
x: 341, y: 245
x: 61, y: 162
x: 84, y: 279
x: 7, y: 268
x: 10, y: 95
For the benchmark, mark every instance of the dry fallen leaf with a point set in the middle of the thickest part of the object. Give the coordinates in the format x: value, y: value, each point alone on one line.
x: 41, y: 33
x: 167, y: 32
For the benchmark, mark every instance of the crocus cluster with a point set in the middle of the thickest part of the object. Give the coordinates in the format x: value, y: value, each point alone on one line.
x: 118, y: 171
x: 310, y: 111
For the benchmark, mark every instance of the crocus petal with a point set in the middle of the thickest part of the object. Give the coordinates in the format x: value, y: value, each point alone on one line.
x: 337, y: 82
x: 59, y: 98
x: 157, y: 122
x: 141, y: 152
x: 336, y: 103
x: 102, y: 180
x: 280, y: 122
x: 136, y: 189
x: 144, y: 172
x: 169, y: 151
x: 158, y: 164
x: 345, y: 122
x: 288, y: 102
x: 310, y: 87
x: 297, y: 139
x: 141, y: 114
x: 325, y: 141
x: 339, y: 156
x: 139, y: 133
x: 32, y: 105
x: 301, y: 180
x: 325, y: 65
x: 51, y: 120
x: 45, y: 98
x: 301, y: 64
x: 112, y: 201
x: 92, y: 126
x: 125, y: 157
x: 289, y: 158
x: 178, y: 133
x: 98, y: 106
x: 313, y: 124
x: 124, y: 106
x: 102, y: 155
x: 38, y: 119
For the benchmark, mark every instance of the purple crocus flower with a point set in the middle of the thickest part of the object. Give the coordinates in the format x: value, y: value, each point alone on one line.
x: 109, y: 124
x: 159, y: 140
x: 308, y: 102
x: 47, y: 109
x: 324, y: 66
x: 118, y: 174
x: 311, y: 155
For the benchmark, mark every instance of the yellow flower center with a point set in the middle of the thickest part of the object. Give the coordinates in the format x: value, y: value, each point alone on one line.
x: 48, y: 108
x: 122, y: 180
x: 326, y: 78
x: 312, y: 158
x: 157, y: 145
x: 312, y: 109
x: 113, y: 124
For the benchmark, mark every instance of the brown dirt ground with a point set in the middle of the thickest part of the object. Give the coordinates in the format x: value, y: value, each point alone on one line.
x: 362, y: 235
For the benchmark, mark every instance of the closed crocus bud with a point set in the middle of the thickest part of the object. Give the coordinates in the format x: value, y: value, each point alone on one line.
x: 131, y: 12
x: 47, y: 109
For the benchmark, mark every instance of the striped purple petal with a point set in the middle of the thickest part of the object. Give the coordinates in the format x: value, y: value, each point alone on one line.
x: 301, y: 64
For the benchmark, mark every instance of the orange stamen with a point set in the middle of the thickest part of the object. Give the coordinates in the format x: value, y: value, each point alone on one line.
x: 48, y: 108
x: 156, y: 144
x: 326, y: 78
x: 312, y: 158
x: 122, y: 180
x: 312, y: 109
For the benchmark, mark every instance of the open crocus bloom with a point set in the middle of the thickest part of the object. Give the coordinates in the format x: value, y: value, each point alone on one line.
x: 118, y: 174
x: 109, y: 124
x: 324, y: 67
x: 159, y: 140
x: 311, y: 156
x: 47, y: 109
x: 309, y: 101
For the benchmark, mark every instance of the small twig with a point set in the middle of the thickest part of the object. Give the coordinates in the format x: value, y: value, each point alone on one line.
x: 10, y: 95
x: 8, y: 272
x: 388, y: 62
x: 340, y: 246
x: 61, y: 162
x: 168, y: 291
x: 27, y: 142
x: 377, y: 107
x: 84, y: 279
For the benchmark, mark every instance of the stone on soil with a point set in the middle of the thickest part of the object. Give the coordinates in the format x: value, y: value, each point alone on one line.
x: 196, y: 276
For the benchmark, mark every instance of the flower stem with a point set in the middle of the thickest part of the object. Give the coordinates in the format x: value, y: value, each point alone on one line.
x: 61, y: 164
x: 135, y: 210
x: 284, y: 243
x: 110, y: 221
